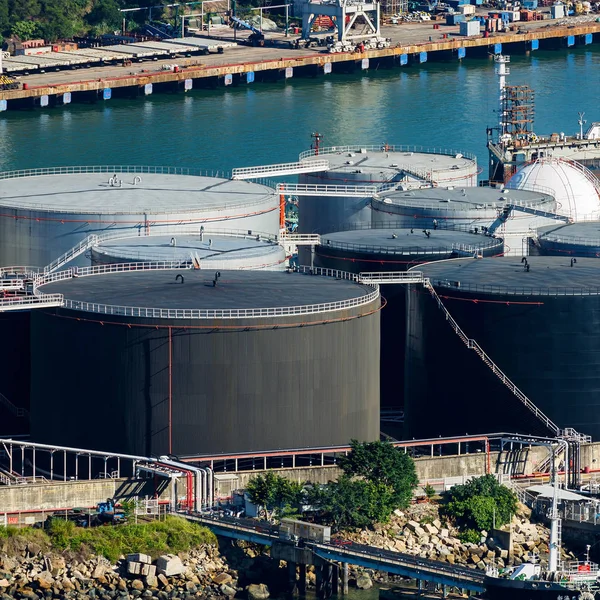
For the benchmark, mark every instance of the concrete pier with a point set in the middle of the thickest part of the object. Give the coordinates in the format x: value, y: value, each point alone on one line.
x: 274, y: 64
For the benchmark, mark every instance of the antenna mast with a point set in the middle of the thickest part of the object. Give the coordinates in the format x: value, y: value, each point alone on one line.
x: 581, y: 123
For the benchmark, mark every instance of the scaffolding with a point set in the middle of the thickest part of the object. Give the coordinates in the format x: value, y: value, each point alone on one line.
x: 517, y: 111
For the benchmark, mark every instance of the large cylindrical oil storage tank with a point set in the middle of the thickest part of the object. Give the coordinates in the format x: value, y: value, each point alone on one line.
x: 478, y: 207
x: 14, y: 373
x: 186, y: 362
x: 46, y: 212
x: 375, y: 166
x: 201, y: 249
x: 538, y: 321
x: 397, y: 249
x: 567, y: 239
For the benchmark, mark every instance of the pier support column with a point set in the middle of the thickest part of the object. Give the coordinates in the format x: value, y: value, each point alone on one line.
x: 319, y: 581
x: 444, y: 591
x: 292, y: 587
x: 335, y: 579
x: 345, y: 578
x: 302, y: 579
x: 419, y: 587
x: 328, y: 577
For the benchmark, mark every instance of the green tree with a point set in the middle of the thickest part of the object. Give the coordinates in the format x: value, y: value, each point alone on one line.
x: 481, y: 503
x: 105, y: 13
x: 4, y: 20
x: 274, y: 492
x: 23, y: 10
x: 352, y: 503
x: 25, y: 30
x: 382, y: 463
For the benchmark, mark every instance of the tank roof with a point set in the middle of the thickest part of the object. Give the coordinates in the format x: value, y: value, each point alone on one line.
x: 585, y: 233
x: 376, y: 158
x: 91, y: 192
x: 548, y: 276
x: 465, y: 198
x: 576, y: 190
x: 235, y: 290
x: 213, y: 246
x: 403, y: 241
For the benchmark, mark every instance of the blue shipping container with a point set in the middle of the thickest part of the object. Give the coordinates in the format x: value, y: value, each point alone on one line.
x: 455, y: 19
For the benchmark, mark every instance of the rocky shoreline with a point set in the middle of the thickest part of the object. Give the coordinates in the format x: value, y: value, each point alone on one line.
x: 421, y: 532
x: 30, y: 572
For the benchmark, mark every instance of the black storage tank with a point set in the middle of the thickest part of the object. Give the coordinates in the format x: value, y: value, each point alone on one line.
x: 247, y: 361
x: 389, y: 248
x: 539, y: 321
x: 573, y: 239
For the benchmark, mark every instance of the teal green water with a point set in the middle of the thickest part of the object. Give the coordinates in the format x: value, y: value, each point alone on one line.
x: 438, y: 104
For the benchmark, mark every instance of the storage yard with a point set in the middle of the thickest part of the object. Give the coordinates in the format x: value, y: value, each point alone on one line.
x: 411, y: 44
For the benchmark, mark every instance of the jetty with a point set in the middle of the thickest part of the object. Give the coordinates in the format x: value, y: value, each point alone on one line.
x: 412, y: 45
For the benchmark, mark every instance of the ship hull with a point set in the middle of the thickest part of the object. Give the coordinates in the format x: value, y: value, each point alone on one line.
x: 510, y: 589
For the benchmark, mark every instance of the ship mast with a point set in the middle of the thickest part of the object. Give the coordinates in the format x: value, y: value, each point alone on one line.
x: 555, y: 523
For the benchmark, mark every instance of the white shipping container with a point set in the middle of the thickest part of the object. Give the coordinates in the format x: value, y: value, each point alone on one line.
x: 466, y: 9
x: 469, y: 28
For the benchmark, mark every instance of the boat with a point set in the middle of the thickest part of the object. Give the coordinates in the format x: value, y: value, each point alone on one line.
x: 572, y: 580
x: 513, y: 143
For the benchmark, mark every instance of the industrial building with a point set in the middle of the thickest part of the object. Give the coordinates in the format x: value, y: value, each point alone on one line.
x: 397, y: 249
x: 191, y: 362
x: 46, y: 212
x: 384, y: 165
x: 203, y: 249
x: 536, y: 318
x: 573, y: 239
x: 509, y: 214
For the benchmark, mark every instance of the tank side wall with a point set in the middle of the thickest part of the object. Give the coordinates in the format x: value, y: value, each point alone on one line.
x: 36, y: 238
x: 232, y: 389
x: 548, y: 346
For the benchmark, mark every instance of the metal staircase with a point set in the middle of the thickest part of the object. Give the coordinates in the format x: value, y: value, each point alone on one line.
x: 17, y: 411
x: 74, y: 252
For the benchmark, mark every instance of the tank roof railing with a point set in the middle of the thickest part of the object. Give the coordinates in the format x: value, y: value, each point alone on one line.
x: 517, y: 290
x: 132, y: 169
x: 168, y: 313
x: 163, y: 230
x: 443, y: 247
x: 385, y: 148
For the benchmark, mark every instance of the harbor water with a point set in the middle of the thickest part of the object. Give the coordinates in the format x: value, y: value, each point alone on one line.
x: 442, y: 105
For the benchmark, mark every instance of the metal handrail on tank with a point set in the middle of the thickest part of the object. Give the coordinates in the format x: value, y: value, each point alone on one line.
x: 517, y: 291
x: 93, y: 240
x: 141, y: 169
x: 160, y: 313
x: 406, y: 250
x: 25, y: 302
x: 473, y: 345
x: 384, y: 148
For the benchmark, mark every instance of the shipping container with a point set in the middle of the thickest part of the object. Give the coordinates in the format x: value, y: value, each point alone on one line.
x: 466, y: 9
x: 454, y: 19
x: 292, y: 529
x: 470, y: 28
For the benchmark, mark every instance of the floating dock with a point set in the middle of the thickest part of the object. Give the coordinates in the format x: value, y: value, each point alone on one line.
x: 286, y: 63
